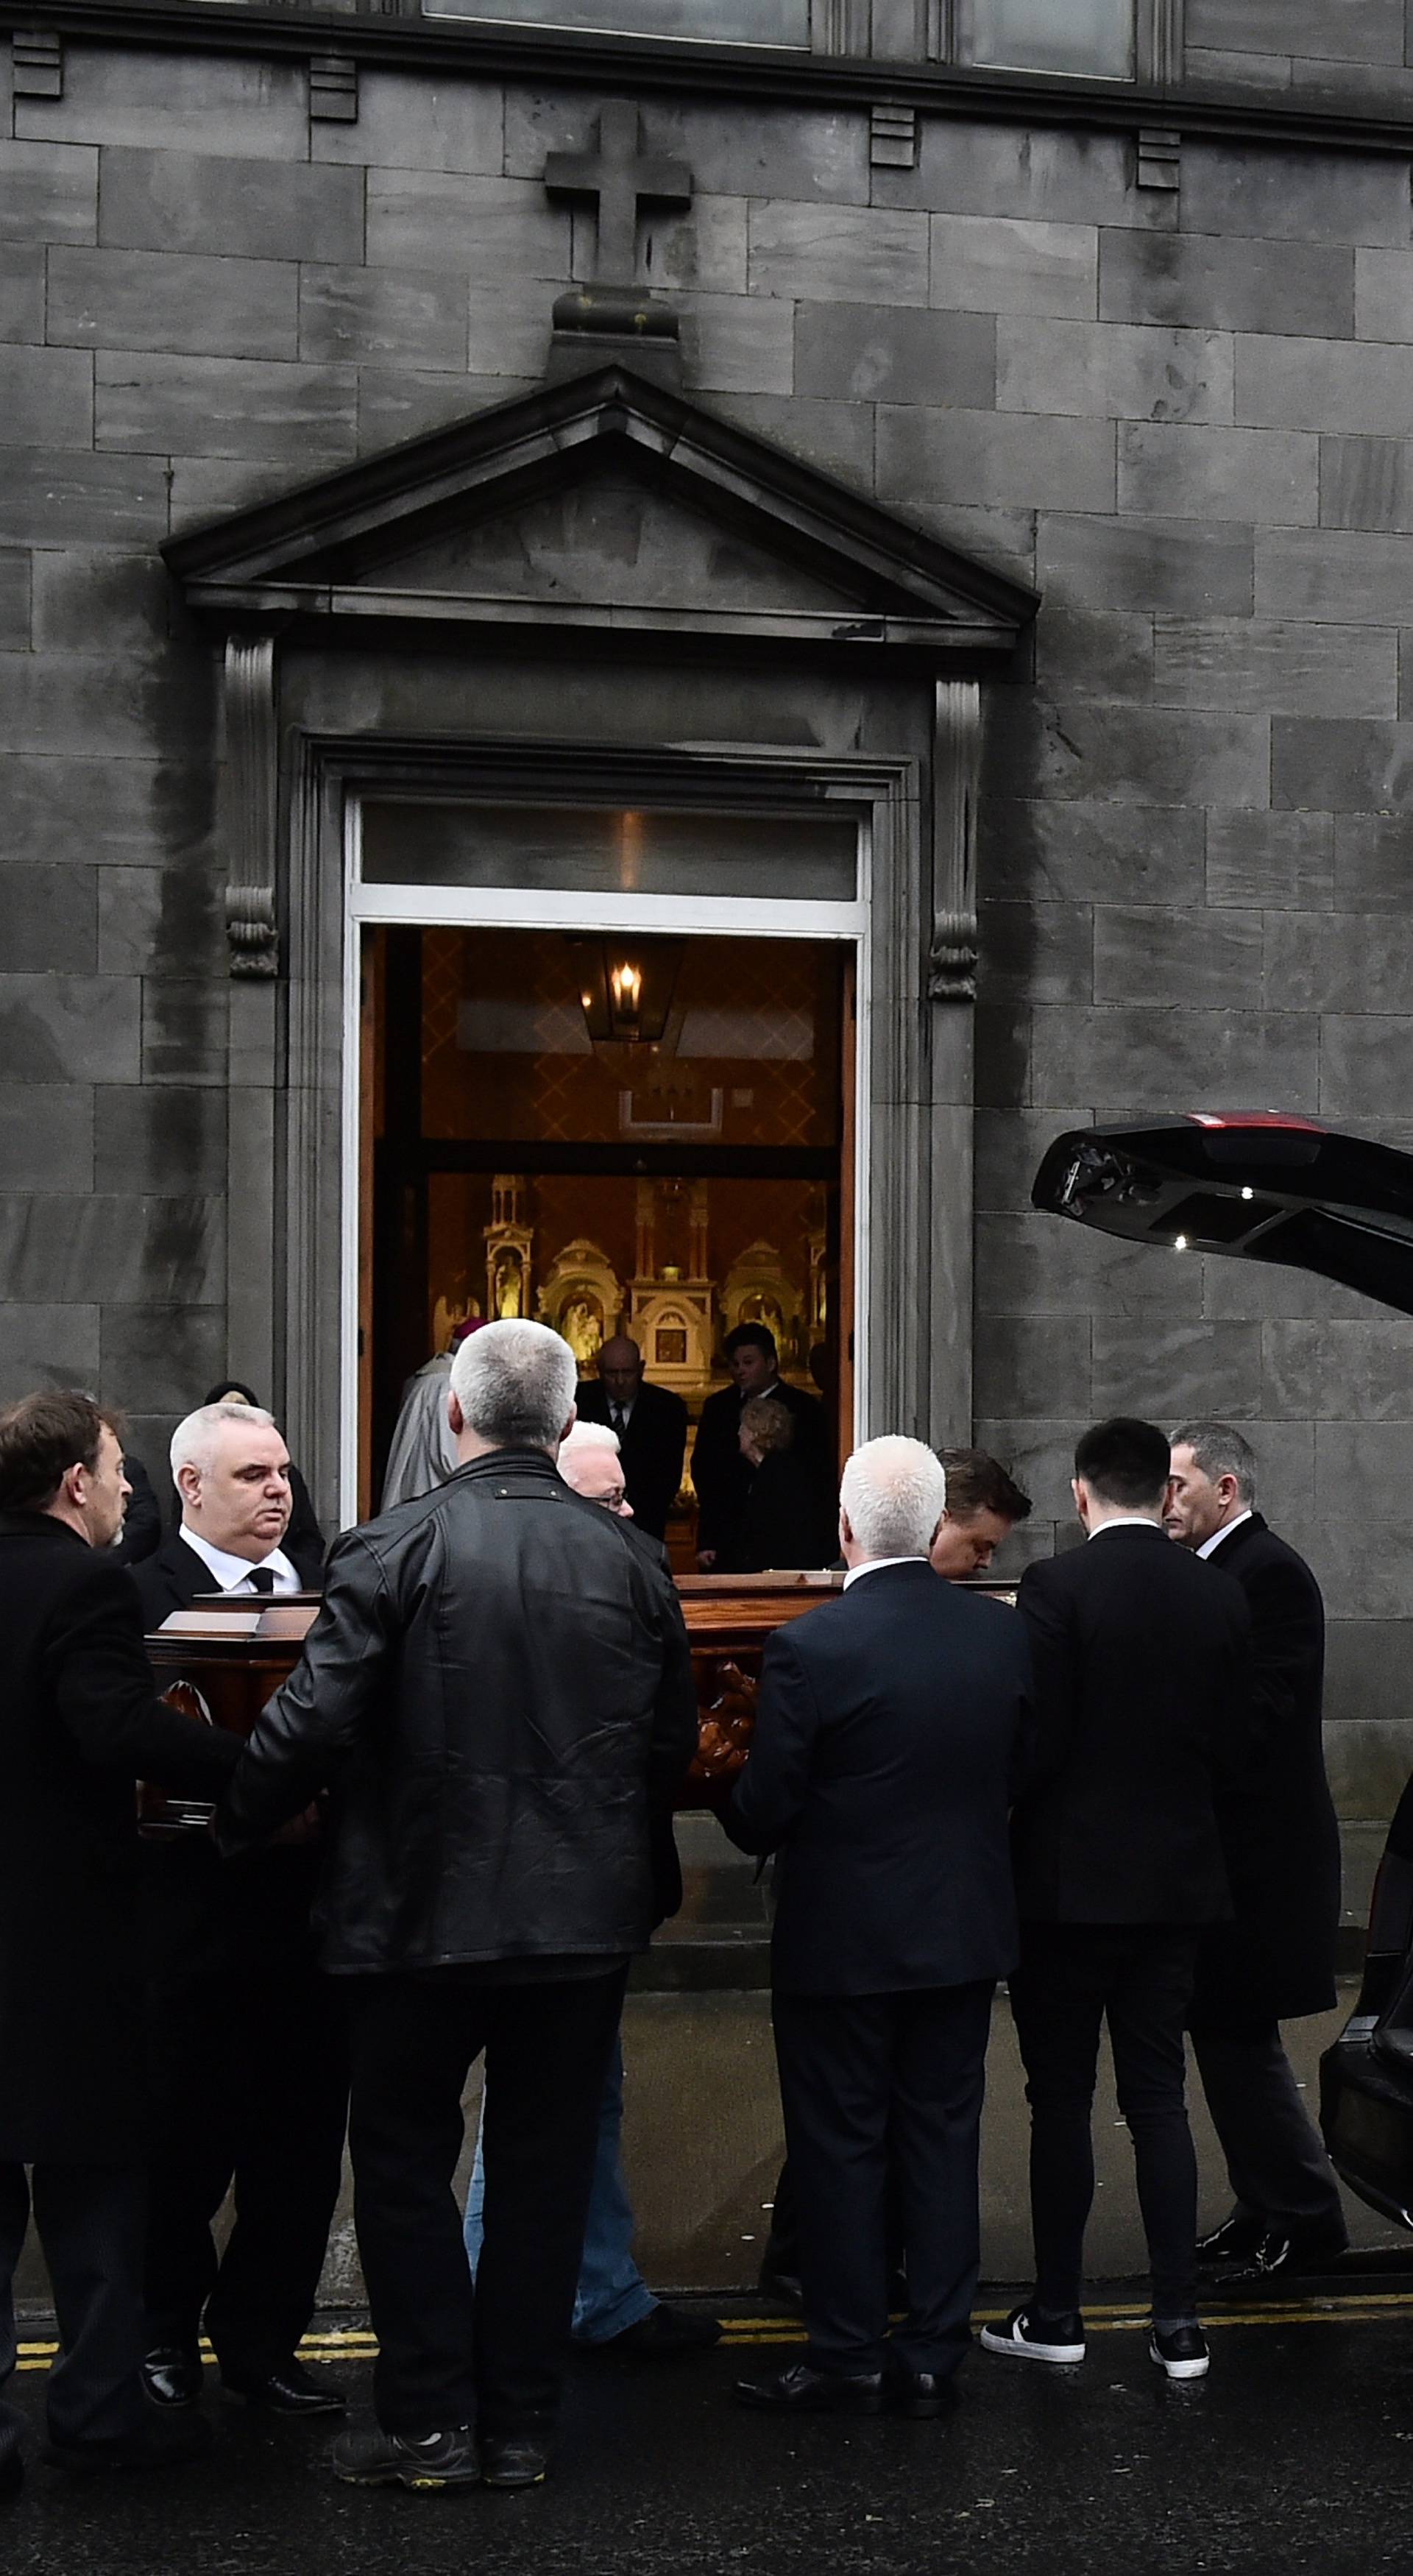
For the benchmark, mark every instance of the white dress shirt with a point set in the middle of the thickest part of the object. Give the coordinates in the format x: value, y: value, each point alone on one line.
x: 876, y: 1565
x: 233, y: 1573
x: 1210, y: 1545
x: 1127, y: 1520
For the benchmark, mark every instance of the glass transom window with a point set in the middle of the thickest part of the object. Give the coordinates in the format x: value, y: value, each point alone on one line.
x: 1086, y: 36
x: 722, y: 22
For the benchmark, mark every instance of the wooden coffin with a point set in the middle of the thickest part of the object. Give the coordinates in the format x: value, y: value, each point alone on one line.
x: 222, y: 1659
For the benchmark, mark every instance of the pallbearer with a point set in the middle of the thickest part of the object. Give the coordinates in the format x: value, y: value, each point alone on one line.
x: 501, y: 1683
x: 245, y: 2038
x: 1275, y: 1961
x: 79, y: 1723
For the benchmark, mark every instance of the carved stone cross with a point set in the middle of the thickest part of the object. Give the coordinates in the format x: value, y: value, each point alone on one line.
x: 620, y: 179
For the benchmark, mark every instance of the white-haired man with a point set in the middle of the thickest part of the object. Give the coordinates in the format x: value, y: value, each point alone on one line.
x: 247, y: 2063
x: 230, y: 1468
x: 614, y: 2310
x: 889, y: 1731
x: 501, y: 1682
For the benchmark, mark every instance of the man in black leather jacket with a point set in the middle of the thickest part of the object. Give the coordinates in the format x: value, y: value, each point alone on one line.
x: 498, y: 1686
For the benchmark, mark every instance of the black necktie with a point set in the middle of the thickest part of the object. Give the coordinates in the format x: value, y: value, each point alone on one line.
x: 261, y: 1578
x: 616, y: 1410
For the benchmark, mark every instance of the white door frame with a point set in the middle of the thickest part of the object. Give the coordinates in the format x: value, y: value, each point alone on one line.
x: 512, y: 907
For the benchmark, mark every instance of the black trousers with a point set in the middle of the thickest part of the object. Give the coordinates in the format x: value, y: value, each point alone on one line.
x: 782, y: 2250
x: 870, y: 2082
x: 248, y: 2082
x: 448, y: 2350
x: 1072, y: 1978
x: 1276, y: 2161
x: 89, y: 2222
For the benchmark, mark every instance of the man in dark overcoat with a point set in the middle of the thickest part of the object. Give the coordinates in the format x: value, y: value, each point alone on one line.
x: 1275, y: 1961
x: 79, y: 1724
x: 247, y: 2063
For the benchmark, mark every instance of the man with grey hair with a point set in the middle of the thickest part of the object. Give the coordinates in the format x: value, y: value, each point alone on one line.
x: 501, y: 1685
x: 231, y: 1471
x: 1275, y: 1961
x: 889, y: 1731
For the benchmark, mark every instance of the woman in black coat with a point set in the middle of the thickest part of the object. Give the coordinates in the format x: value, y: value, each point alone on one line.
x: 787, y: 1520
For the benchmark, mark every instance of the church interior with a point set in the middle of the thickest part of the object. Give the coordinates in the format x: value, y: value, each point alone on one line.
x: 611, y: 1134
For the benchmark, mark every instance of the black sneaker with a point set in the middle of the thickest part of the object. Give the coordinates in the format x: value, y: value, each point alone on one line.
x: 1181, y: 2352
x: 425, y: 2462
x: 1030, y: 2337
x: 513, y: 2460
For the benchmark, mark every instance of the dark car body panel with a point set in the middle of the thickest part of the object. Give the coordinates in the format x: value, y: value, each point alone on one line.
x: 1253, y: 1184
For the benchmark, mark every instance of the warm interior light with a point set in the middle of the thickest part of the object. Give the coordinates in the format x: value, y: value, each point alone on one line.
x: 626, y: 986
x: 1248, y: 1194
x: 1180, y: 1243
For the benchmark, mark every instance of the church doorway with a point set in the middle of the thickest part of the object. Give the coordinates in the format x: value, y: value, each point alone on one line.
x: 647, y: 1129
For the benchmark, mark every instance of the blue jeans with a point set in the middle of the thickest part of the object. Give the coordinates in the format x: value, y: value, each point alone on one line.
x: 612, y: 2294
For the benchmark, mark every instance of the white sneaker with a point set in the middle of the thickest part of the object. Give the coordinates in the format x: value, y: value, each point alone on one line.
x: 1029, y: 2338
x: 1182, y: 2353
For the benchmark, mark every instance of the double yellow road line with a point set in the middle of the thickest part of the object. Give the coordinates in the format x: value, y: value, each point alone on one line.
x: 1124, y: 2316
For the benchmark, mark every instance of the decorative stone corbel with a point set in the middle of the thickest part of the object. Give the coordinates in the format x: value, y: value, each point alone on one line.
x: 251, y: 928
x: 37, y: 58
x: 951, y: 964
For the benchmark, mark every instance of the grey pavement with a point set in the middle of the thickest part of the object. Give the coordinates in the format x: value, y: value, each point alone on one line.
x: 703, y: 2145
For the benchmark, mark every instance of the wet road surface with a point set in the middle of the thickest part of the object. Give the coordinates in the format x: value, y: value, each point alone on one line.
x: 1296, y: 2453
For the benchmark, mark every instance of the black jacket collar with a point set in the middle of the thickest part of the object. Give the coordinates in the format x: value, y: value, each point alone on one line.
x: 38, y: 1525
x: 501, y: 1462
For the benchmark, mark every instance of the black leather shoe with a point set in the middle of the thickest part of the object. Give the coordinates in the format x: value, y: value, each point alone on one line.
x: 287, y: 2388
x: 172, y: 2376
x: 158, y: 2446
x: 512, y: 2460
x: 1235, y: 2241
x: 803, y: 2391
x: 426, y: 2462
x: 922, y: 2394
x: 1284, y: 2254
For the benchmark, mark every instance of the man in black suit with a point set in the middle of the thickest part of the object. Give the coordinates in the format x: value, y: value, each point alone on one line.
x: 246, y: 2050
x: 720, y: 1472
x: 651, y: 1423
x: 79, y: 1724
x: 1275, y: 1962
x: 1141, y: 1679
x: 889, y: 1731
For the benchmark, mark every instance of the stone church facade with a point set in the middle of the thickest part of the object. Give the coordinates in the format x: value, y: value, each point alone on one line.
x: 1044, y: 378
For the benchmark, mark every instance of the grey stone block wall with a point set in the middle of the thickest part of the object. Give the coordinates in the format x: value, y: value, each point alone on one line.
x: 1186, y: 416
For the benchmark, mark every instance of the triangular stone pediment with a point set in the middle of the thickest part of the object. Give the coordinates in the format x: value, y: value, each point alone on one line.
x: 604, y: 504
x: 610, y: 536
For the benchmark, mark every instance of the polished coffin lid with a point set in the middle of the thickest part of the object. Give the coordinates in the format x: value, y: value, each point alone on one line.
x: 1257, y: 1184
x: 225, y: 1656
